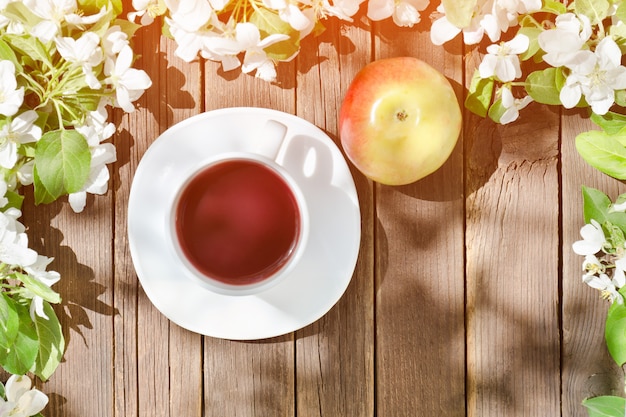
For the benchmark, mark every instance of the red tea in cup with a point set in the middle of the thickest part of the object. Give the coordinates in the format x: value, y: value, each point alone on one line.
x: 237, y: 221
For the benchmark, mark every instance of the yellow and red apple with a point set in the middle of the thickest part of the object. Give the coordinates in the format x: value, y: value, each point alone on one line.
x: 399, y: 121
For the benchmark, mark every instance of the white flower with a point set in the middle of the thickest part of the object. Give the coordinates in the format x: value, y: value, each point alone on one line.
x: 592, y: 266
x: 619, y: 277
x: 596, y: 76
x: 129, y: 83
x: 607, y: 287
x: 405, y: 13
x: 146, y: 10
x: 220, y: 45
x: 98, y: 180
x: 488, y: 18
x: 84, y: 52
x: 11, y: 97
x: 20, y: 130
x: 289, y: 12
x: 96, y: 130
x: 249, y: 37
x: 593, y: 239
x: 52, y: 13
x: 13, y: 243
x: 512, y: 105
x: 113, y: 41
x: 188, y: 42
x: 38, y: 271
x: 618, y: 207
x: 189, y: 15
x: 22, y: 400
x: 564, y: 44
x: 502, y: 60
x: 342, y: 9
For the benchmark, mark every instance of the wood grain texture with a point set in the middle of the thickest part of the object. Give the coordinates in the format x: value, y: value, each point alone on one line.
x: 249, y: 379
x: 419, y: 268
x: 512, y: 252
x: 335, y: 355
x: 466, y: 299
x: 587, y: 369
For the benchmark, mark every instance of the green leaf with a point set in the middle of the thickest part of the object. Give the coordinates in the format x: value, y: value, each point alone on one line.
x: 7, y: 54
x: 15, y: 199
x: 533, y: 46
x: 62, y: 162
x: 496, y: 111
x: 605, y: 406
x: 459, y: 12
x: 39, y: 288
x: 611, y: 123
x: 479, y: 96
x: 615, y: 332
x: 51, y: 343
x: 595, y: 10
x: 620, y: 12
x: 596, y: 206
x: 21, y: 357
x: 603, y: 152
x: 543, y: 85
x: 555, y: 7
x: 94, y: 6
x: 9, y: 323
x: 31, y: 47
x: 269, y: 23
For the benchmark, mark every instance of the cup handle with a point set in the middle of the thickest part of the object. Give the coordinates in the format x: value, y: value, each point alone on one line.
x: 271, y: 139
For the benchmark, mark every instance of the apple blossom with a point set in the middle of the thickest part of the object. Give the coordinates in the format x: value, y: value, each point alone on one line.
x: 13, y: 241
x: 502, y: 60
x: 21, y: 129
x: 289, y: 11
x: 190, y: 15
x: 22, y: 400
x: 38, y: 271
x: 52, y: 13
x: 595, y: 75
x: 146, y: 11
x: 512, y: 105
x: 255, y: 58
x: 608, y: 287
x: 404, y: 13
x: 11, y: 97
x: 129, y: 83
x: 113, y: 41
x: 593, y: 239
x: 564, y: 44
x: 84, y: 52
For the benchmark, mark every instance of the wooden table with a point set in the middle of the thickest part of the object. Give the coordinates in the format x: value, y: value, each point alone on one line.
x: 466, y: 298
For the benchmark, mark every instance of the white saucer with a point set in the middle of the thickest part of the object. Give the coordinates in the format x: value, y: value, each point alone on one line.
x: 316, y: 283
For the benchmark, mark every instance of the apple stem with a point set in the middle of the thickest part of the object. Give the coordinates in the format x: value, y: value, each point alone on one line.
x: 402, y: 115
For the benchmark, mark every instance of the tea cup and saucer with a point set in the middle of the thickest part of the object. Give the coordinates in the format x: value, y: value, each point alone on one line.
x: 243, y: 223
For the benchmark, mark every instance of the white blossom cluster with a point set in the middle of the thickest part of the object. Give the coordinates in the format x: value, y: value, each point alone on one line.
x: 239, y: 33
x: 604, y: 266
x: 91, y: 59
x: 588, y: 53
x: 16, y: 256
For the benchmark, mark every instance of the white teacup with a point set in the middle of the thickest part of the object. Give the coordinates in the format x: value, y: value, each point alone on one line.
x: 239, y: 222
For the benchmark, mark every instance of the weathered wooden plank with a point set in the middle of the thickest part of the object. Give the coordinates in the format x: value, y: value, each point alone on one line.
x: 588, y: 370
x: 81, y: 246
x: 255, y: 378
x: 512, y: 252
x: 419, y: 264
x: 335, y: 355
x: 156, y: 361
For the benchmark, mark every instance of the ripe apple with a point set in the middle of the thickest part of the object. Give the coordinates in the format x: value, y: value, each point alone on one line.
x: 399, y: 120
